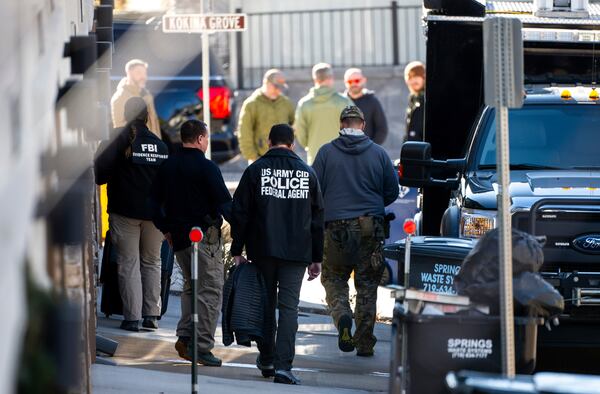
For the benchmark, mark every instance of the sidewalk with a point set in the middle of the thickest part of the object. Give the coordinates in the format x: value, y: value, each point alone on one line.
x: 312, y: 296
x: 116, y: 380
x: 318, y: 362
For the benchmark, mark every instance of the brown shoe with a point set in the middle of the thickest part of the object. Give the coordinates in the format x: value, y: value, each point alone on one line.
x: 182, y: 347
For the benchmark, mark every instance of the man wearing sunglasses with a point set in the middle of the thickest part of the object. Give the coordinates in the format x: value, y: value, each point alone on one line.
x: 376, y: 127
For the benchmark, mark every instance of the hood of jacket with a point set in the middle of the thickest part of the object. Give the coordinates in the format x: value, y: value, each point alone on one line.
x: 365, y: 92
x: 134, y: 90
x: 352, y: 141
x: 259, y: 96
x: 322, y: 94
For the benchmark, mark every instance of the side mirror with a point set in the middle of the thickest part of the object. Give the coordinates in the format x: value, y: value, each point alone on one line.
x: 416, y: 164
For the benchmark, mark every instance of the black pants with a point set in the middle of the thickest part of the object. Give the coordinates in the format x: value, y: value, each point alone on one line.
x: 283, y: 280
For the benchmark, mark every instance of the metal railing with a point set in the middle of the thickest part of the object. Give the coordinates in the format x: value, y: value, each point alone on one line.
x: 344, y: 37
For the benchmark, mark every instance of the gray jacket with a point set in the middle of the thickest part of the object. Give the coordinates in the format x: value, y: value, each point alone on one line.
x: 356, y: 175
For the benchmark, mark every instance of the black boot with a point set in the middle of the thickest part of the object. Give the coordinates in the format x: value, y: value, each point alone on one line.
x: 267, y: 370
x: 285, y: 377
x: 130, y: 325
x: 345, y: 334
x: 182, y: 346
x: 150, y: 322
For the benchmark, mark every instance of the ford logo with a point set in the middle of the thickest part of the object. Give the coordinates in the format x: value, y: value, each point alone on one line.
x: 589, y: 243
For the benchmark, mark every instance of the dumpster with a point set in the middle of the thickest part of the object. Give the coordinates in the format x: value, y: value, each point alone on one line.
x: 439, y: 344
x: 435, y: 344
x: 468, y: 382
x: 434, y: 261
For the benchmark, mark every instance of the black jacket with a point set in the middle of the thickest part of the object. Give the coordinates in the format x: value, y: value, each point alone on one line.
x: 376, y: 127
x: 278, y: 210
x: 244, y: 303
x: 415, y: 117
x: 189, y: 191
x: 128, y: 163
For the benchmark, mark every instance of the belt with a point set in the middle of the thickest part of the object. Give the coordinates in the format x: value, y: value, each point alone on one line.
x: 341, y: 221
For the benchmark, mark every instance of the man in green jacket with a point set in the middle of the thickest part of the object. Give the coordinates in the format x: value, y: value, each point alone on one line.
x: 318, y: 113
x: 266, y: 107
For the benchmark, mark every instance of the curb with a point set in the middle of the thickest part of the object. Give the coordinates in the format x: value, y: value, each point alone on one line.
x: 313, y: 310
x: 305, y: 309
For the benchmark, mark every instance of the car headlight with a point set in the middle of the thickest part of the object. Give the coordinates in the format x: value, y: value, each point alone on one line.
x: 476, y: 222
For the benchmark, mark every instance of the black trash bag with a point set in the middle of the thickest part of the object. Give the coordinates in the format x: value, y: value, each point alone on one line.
x: 481, y: 264
x: 535, y: 297
x: 480, y: 272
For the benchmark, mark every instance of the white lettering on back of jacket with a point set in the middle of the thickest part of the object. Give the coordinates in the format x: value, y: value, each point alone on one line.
x: 284, y: 184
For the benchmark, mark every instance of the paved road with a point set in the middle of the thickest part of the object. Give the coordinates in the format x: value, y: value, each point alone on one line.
x: 319, y: 363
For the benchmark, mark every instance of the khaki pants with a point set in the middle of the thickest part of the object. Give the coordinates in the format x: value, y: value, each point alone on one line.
x: 210, y: 293
x: 138, y: 244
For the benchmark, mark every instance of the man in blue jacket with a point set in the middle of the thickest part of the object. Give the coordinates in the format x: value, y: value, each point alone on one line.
x: 358, y: 181
x: 277, y: 214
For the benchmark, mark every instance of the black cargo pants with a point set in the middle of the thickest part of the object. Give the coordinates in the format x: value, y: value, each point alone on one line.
x: 283, y: 280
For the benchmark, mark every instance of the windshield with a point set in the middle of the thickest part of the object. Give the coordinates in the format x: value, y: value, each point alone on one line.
x: 547, y: 136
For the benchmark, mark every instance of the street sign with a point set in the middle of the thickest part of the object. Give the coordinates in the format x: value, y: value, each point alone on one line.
x: 205, y: 24
x: 503, y: 62
x: 200, y: 23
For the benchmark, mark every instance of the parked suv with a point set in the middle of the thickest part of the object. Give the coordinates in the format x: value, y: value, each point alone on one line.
x: 175, y: 80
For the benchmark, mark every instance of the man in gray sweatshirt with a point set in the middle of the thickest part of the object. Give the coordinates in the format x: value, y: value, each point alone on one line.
x: 357, y: 181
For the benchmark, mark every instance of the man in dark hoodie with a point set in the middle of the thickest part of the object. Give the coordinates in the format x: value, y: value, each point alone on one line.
x: 358, y: 181
x: 376, y: 127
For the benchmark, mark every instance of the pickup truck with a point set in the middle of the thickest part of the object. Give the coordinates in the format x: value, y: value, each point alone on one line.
x: 554, y: 156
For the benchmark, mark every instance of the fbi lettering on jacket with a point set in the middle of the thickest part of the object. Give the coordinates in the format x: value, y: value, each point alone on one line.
x: 284, y: 184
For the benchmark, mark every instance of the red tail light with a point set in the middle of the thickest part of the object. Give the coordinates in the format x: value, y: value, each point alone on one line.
x: 220, y: 97
x: 400, y: 171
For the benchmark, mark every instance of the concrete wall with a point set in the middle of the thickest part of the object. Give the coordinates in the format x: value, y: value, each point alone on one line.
x: 31, y: 70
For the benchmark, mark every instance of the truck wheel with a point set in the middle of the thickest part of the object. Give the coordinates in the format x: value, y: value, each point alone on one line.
x: 450, y: 222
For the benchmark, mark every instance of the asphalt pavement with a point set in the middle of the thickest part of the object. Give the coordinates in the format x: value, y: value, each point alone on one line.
x: 147, y: 361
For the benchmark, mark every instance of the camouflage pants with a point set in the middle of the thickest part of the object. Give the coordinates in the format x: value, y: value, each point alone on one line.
x: 352, y: 245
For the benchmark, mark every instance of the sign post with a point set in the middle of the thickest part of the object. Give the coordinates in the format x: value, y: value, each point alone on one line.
x: 410, y: 228
x: 503, y: 64
x: 204, y: 24
x: 196, y: 236
x: 206, y: 88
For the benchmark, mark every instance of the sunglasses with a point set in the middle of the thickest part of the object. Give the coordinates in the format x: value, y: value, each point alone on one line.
x: 354, y: 81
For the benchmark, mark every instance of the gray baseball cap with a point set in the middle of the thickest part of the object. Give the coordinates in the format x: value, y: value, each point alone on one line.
x: 276, y: 77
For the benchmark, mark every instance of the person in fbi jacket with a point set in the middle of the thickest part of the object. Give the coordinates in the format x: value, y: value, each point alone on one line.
x: 129, y: 164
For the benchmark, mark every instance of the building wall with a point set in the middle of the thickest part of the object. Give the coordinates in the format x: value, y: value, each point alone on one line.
x: 294, y: 35
x: 31, y: 70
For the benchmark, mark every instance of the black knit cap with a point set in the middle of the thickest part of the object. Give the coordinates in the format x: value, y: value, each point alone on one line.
x: 281, y: 134
x: 352, y: 111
